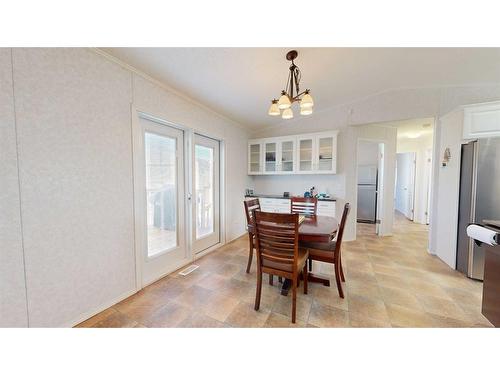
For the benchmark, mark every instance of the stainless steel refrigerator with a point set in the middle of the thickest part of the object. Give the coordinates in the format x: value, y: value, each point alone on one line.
x: 479, y: 200
x: 367, y: 194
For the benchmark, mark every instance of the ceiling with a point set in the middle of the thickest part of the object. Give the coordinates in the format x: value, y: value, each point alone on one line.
x: 240, y: 82
x: 415, y: 128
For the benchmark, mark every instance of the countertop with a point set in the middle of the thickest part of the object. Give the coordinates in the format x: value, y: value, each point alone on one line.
x: 282, y: 197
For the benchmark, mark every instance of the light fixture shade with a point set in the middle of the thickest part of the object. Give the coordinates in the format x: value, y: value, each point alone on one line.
x: 284, y: 102
x: 306, y: 111
x: 306, y: 101
x: 287, y: 114
x: 273, y: 109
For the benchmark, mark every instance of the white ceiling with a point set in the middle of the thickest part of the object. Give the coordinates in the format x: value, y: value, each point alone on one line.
x: 240, y: 82
x: 414, y: 128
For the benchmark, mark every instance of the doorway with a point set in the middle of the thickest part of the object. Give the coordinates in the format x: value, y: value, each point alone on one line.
x: 160, y: 199
x: 404, y: 201
x: 369, y: 185
x: 206, y: 189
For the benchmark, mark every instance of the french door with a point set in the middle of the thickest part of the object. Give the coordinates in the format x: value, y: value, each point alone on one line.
x: 160, y: 212
x: 206, y: 193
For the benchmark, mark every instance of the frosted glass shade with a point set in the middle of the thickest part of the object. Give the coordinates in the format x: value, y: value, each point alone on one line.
x: 273, y: 109
x: 306, y: 111
x: 287, y: 114
x: 284, y: 102
x: 306, y: 101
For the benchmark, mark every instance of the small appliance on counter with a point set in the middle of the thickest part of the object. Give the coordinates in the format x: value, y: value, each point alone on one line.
x: 248, y: 192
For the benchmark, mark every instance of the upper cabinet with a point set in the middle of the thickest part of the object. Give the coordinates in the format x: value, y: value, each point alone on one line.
x: 255, y: 157
x: 314, y: 153
x: 481, y: 120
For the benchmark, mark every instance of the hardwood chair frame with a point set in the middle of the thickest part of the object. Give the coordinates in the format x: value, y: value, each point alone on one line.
x: 278, y: 253
x: 251, y: 205
x: 330, y: 252
x: 304, y: 206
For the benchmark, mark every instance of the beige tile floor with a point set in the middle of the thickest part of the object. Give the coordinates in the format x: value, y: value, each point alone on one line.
x: 390, y: 282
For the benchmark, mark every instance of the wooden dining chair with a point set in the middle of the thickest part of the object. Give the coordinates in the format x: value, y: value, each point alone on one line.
x: 329, y: 252
x: 278, y: 252
x: 250, y: 206
x: 304, y: 206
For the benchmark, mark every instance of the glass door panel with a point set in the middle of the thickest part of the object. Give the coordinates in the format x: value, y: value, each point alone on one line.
x: 206, y: 198
x: 305, y: 155
x: 325, y: 154
x: 161, y: 193
x: 159, y: 199
x: 254, y: 158
x: 270, y: 157
x: 287, y: 150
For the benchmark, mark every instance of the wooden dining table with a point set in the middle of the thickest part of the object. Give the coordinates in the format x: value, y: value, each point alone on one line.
x: 314, y: 229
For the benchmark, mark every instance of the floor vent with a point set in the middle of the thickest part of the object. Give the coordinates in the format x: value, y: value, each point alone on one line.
x: 188, y: 270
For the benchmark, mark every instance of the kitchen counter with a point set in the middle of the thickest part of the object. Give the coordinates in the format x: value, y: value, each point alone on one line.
x: 282, y: 197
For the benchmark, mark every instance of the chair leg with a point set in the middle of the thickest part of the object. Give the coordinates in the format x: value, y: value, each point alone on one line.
x: 310, y: 264
x: 250, y: 252
x: 337, y: 279
x: 259, y: 289
x: 342, y: 277
x: 271, y: 278
x: 306, y: 275
x: 294, y: 299
x: 280, y: 279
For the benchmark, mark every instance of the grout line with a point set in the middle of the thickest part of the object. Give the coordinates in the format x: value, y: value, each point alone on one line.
x: 19, y: 187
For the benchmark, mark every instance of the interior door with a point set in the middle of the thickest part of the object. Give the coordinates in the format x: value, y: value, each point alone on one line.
x: 206, y: 193
x: 160, y: 182
x: 405, y: 183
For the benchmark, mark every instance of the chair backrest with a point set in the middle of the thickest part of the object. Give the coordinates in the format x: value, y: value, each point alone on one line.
x: 250, y: 206
x: 277, y: 239
x: 340, y: 232
x: 304, y: 206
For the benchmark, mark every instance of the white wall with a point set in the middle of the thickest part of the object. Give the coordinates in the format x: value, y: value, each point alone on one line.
x: 73, y: 109
x: 13, y: 311
x: 448, y: 186
x: 420, y: 146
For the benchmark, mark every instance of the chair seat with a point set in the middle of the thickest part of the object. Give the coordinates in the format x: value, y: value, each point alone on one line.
x: 325, y: 246
x: 321, y: 251
x: 302, y: 258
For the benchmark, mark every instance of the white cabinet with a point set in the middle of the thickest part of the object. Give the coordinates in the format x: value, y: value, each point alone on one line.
x: 482, y: 120
x: 314, y: 153
x: 255, y: 157
x: 283, y: 205
x: 275, y: 205
x: 286, y: 155
x: 326, y: 208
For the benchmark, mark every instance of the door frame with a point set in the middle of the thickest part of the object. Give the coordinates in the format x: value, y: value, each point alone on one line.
x: 138, y: 204
x: 380, y: 229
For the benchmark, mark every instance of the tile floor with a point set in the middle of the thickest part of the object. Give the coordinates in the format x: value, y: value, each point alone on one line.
x: 390, y: 282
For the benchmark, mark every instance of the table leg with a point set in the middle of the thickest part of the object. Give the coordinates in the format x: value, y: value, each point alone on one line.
x: 286, y: 287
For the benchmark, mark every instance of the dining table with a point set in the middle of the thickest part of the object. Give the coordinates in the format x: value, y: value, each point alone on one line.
x: 314, y: 229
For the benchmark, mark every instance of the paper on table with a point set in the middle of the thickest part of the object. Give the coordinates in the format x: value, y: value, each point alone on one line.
x: 482, y: 234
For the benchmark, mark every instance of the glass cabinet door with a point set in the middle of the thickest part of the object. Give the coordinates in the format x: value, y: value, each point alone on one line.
x: 254, y: 158
x: 270, y: 157
x: 287, y: 151
x: 325, y: 154
x: 305, y: 155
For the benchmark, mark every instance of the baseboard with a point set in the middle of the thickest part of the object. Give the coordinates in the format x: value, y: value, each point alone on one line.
x: 83, y: 317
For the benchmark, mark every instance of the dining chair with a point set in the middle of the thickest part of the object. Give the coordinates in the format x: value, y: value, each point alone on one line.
x: 250, y: 206
x: 329, y: 252
x: 304, y: 206
x: 278, y: 252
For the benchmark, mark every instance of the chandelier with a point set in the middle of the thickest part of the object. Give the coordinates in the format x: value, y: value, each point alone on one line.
x: 283, y: 105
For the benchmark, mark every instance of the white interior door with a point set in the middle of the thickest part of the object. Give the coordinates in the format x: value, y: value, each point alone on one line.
x: 159, y: 181
x: 206, y: 193
x: 405, y: 183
